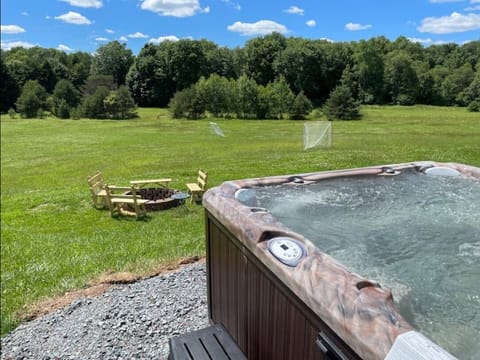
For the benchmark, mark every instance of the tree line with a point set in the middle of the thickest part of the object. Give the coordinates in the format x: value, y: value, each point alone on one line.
x: 242, y: 98
x: 111, y: 82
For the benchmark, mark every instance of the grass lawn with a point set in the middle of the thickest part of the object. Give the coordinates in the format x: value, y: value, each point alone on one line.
x: 53, y: 241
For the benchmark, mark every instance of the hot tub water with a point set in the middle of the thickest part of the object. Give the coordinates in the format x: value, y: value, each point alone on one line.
x: 414, y: 233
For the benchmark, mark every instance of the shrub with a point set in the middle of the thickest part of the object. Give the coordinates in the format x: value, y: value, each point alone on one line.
x: 474, y: 106
x: 315, y: 114
x: 186, y: 104
x: 405, y: 99
x: 76, y: 113
x: 40, y: 113
x: 12, y: 113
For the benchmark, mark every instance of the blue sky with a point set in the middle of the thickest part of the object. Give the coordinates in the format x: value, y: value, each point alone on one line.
x: 84, y: 25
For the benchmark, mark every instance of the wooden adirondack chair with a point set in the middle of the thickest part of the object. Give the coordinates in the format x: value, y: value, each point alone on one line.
x: 97, y: 189
x: 125, y: 201
x: 197, y: 189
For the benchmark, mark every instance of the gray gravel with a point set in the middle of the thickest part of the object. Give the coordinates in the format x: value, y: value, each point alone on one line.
x: 131, y: 321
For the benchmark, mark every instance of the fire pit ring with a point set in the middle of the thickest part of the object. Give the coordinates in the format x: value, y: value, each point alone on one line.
x: 159, y: 198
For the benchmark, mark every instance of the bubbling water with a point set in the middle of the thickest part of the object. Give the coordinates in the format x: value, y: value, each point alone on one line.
x: 416, y: 234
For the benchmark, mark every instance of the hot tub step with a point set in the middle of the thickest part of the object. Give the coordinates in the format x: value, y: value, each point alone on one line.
x: 212, y: 342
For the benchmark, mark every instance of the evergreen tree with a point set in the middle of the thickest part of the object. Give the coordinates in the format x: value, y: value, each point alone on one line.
x: 341, y: 105
x: 62, y: 109
x: 32, y: 101
x: 92, y: 106
x: 301, y: 107
x: 65, y: 96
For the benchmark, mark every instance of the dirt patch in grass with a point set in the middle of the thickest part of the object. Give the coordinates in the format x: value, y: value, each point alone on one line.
x: 99, y: 286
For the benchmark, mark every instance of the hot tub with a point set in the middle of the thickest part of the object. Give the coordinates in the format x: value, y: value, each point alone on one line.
x: 337, y: 265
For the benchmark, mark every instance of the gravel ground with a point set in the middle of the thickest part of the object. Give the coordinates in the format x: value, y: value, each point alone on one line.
x: 132, y: 321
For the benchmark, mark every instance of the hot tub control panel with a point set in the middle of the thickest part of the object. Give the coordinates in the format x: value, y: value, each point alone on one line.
x: 287, y: 250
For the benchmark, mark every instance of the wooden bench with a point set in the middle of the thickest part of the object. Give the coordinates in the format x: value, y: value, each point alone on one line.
x: 160, y: 182
x: 197, y: 189
x: 125, y: 201
x: 97, y: 189
x: 213, y: 342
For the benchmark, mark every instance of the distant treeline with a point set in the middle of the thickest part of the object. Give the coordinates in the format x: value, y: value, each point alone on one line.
x: 374, y: 71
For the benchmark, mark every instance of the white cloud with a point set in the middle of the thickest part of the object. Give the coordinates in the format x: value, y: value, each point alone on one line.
x: 24, y: 13
x: 101, y: 38
x: 7, y: 45
x: 294, y: 10
x: 11, y: 29
x: 161, y: 39
x: 262, y: 27
x: 65, y: 48
x: 421, y: 41
x: 356, y: 27
x: 85, y: 3
x: 234, y: 5
x: 109, y: 31
x: 473, y: 8
x: 137, y: 35
x: 311, y: 23
x: 427, y: 41
x: 176, y: 8
x: 74, y: 18
x: 123, y: 38
x: 450, y: 24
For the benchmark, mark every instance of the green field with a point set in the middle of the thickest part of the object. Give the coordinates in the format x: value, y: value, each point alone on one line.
x: 53, y: 241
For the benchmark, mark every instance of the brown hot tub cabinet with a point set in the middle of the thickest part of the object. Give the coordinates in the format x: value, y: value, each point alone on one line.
x: 305, y: 305
x: 267, y: 320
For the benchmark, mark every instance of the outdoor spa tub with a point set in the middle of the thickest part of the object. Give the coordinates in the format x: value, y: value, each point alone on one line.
x: 370, y: 263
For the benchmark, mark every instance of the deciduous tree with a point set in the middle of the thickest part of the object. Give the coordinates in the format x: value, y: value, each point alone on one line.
x: 112, y: 59
x: 119, y: 104
x: 260, y: 55
x: 401, y: 82
x: 9, y: 90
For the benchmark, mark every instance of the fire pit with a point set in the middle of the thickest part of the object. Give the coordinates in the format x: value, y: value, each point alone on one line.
x: 159, y: 198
